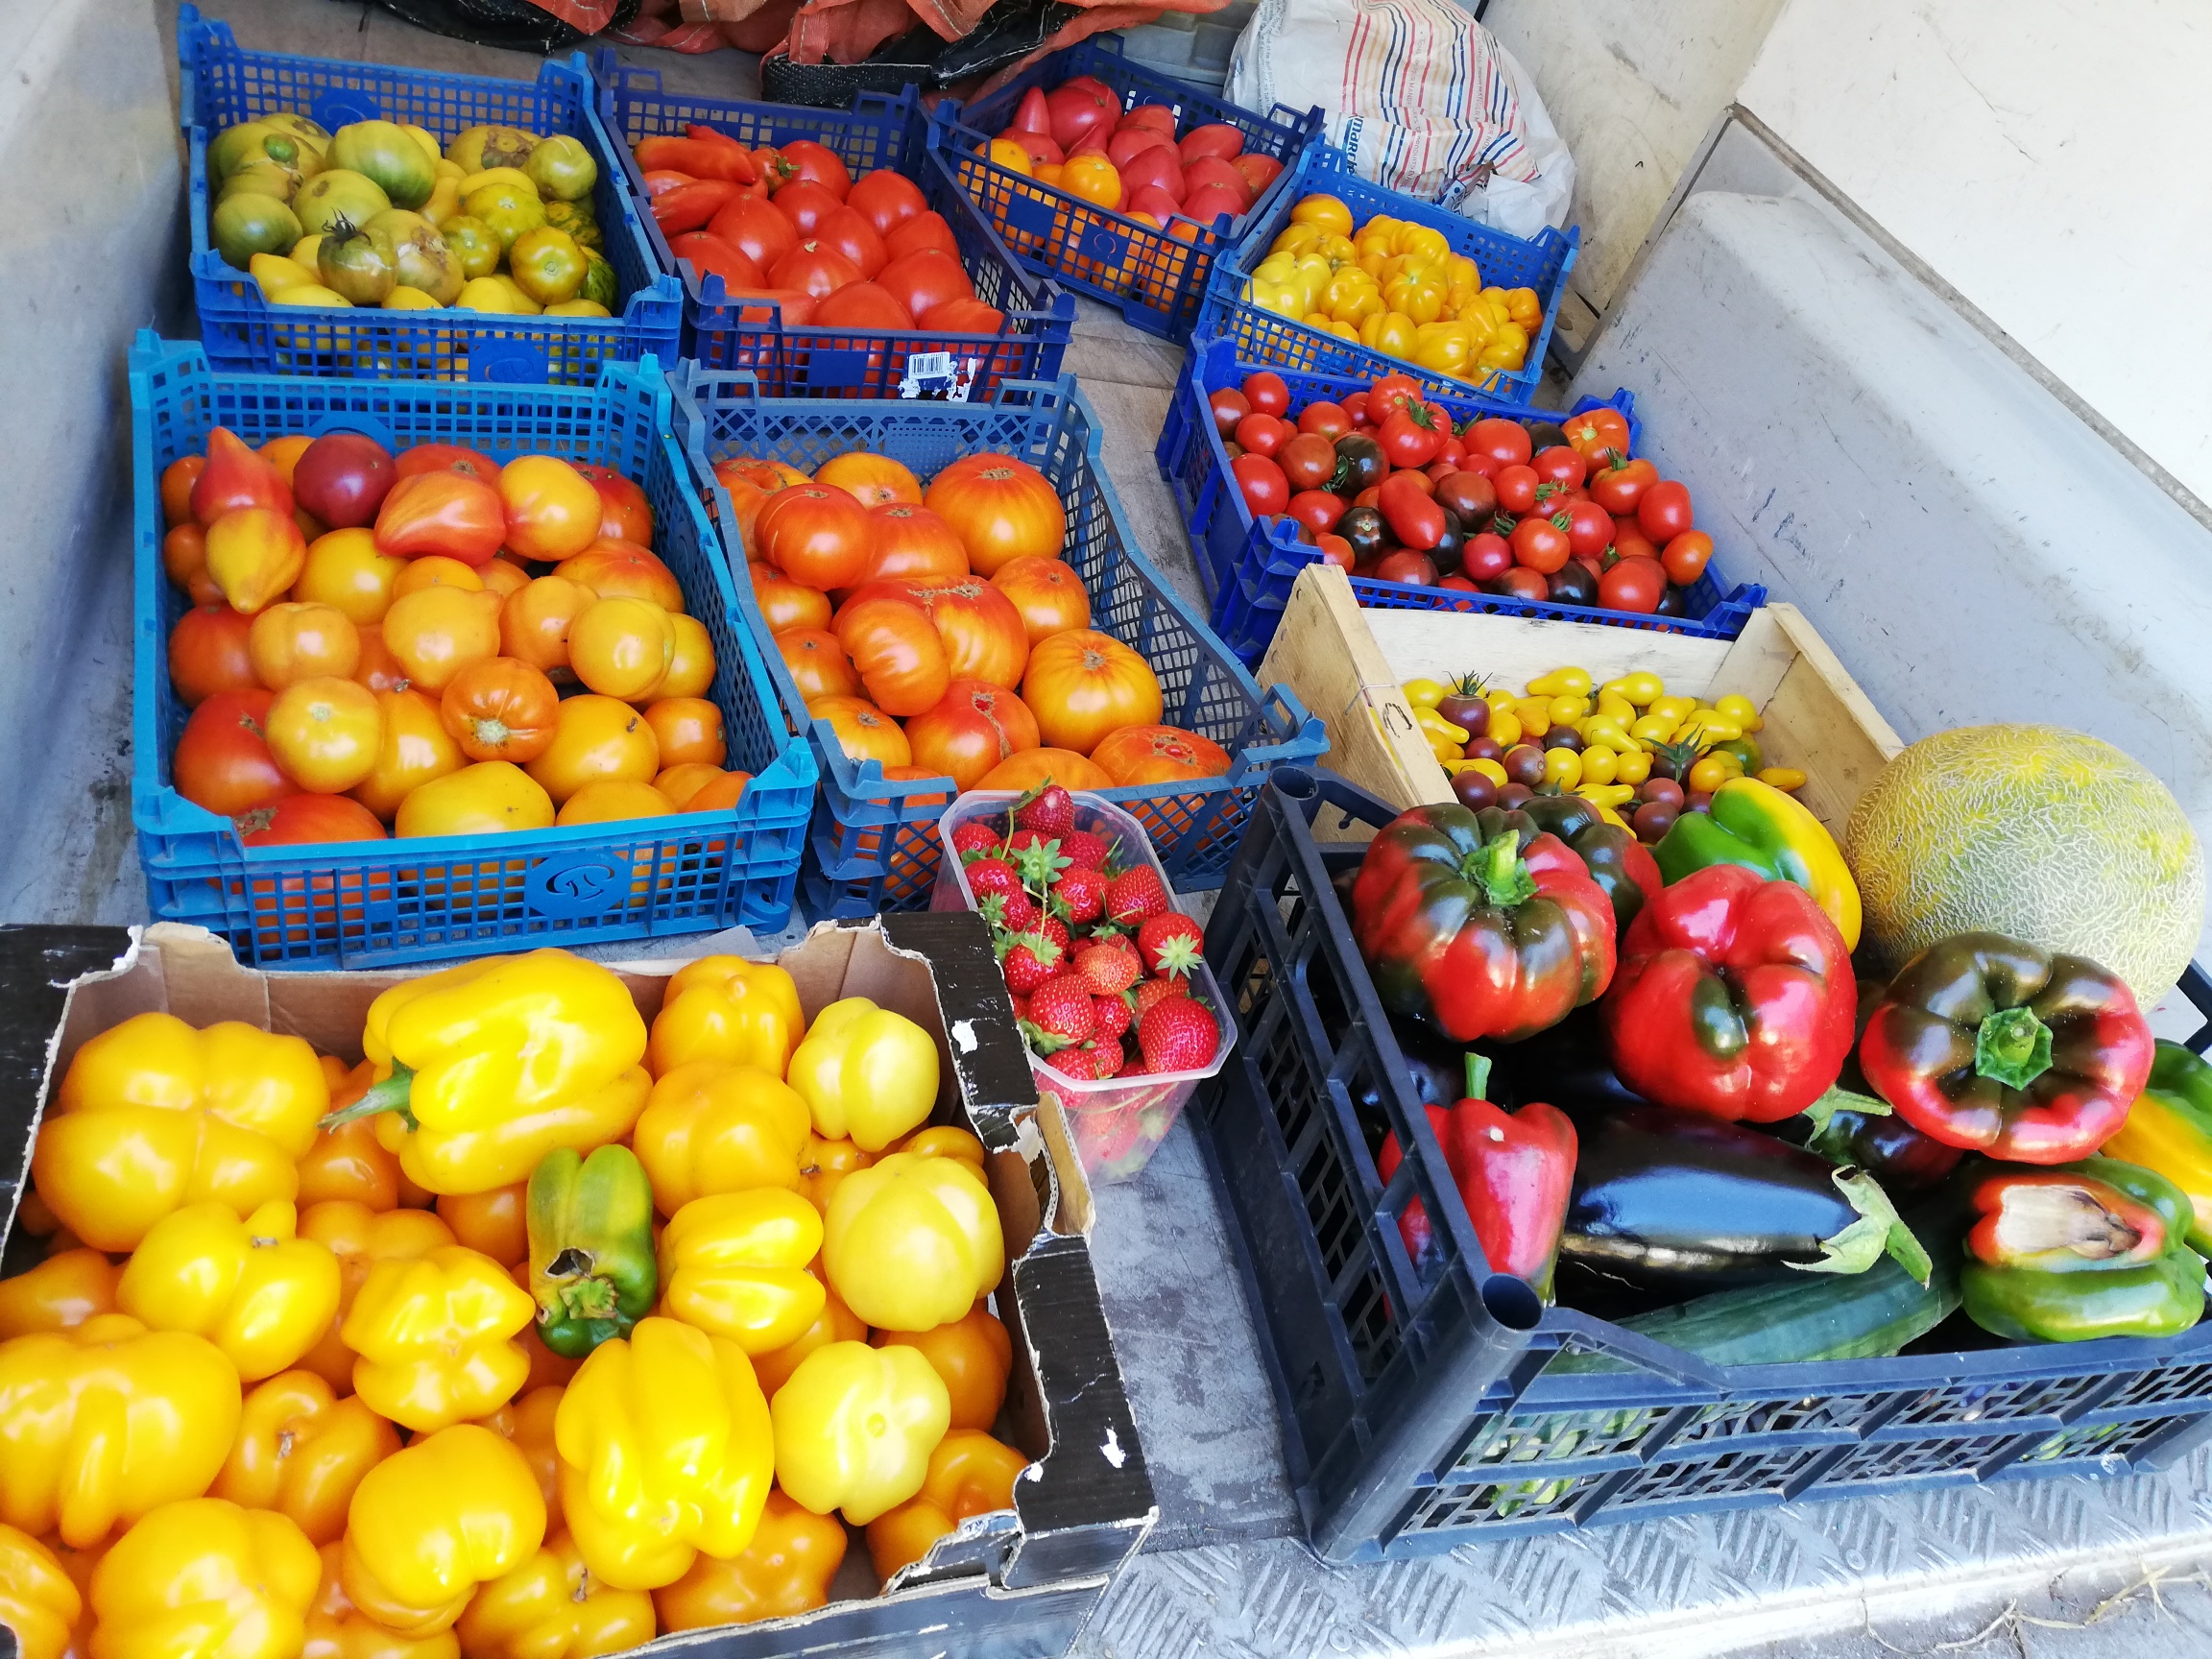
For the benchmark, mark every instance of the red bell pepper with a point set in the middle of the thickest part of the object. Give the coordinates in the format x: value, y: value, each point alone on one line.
x: 1514, y: 1170
x: 1735, y: 998
x: 1987, y: 1042
x: 688, y: 206
x: 1480, y: 927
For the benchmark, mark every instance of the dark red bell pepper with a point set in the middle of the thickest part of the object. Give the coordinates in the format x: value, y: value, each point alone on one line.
x: 1987, y: 1042
x: 1480, y: 927
x: 1514, y: 1172
x: 1735, y: 998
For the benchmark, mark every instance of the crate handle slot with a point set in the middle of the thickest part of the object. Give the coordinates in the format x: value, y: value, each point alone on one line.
x: 508, y: 362
x: 367, y: 426
x: 343, y: 105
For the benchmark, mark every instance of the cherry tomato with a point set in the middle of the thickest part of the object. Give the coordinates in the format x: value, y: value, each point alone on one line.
x: 1589, y: 529
x: 1356, y: 411
x: 1459, y: 584
x: 1228, y: 406
x: 1663, y: 512
x: 1560, y: 465
x: 1317, y: 510
x: 1630, y: 542
x: 1540, y: 544
x: 1266, y: 393
x: 1325, y: 420
x: 1493, y: 443
x: 1415, y: 569
x: 1521, y: 583
x: 1266, y: 490
x: 1618, y: 489
x: 1515, y: 486
x: 1336, y: 551
x: 1632, y: 585
x: 1309, y: 461
x: 1684, y: 560
x: 1486, y: 556
x: 1454, y: 454
x: 1390, y: 395
x: 1263, y: 434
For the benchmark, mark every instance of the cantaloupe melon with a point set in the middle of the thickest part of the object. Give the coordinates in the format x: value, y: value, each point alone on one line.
x: 2035, y: 832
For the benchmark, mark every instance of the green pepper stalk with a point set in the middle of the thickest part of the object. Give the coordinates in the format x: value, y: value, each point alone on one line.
x: 593, y: 1272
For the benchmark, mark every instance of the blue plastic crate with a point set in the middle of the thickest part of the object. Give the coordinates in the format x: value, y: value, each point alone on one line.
x: 874, y: 845
x: 1415, y: 1413
x: 1505, y: 262
x: 1249, y: 567
x: 223, y: 84
x: 367, y: 904
x: 790, y: 362
x: 1157, y: 280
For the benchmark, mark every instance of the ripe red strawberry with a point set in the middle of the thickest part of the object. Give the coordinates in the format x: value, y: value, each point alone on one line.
x: 974, y: 839
x: 1154, y: 992
x: 1111, y: 1056
x: 1085, y: 851
x: 1054, y: 929
x: 1109, y: 970
x: 1113, y: 1014
x: 1060, y: 1013
x: 1080, y: 894
x: 1017, y: 913
x: 1177, y: 1035
x: 989, y: 876
x: 1021, y: 1007
x: 1051, y: 809
x: 1080, y: 1063
x: 1135, y: 894
x: 1030, y: 963
x: 1170, y: 945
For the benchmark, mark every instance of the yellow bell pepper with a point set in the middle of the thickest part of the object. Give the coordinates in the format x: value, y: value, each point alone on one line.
x: 665, y: 1451
x: 38, y: 1600
x: 824, y: 1166
x: 734, y: 1265
x: 1326, y: 211
x: 944, y: 1141
x: 1507, y: 348
x: 301, y: 1450
x: 1313, y: 275
x: 1417, y: 292
x: 972, y: 1354
x: 337, y: 1629
x: 1280, y: 296
x: 435, y: 1339
x: 203, y: 1576
x: 1524, y: 307
x: 1354, y: 309
x: 729, y: 1009
x: 1461, y: 272
x: 254, y: 1290
x: 1392, y: 333
x: 866, y: 1073
x: 551, y: 1607
x: 1336, y: 250
x: 1443, y: 347
x: 483, y: 1069
x: 453, y: 1510
x: 786, y: 1570
x: 969, y: 1474
x: 710, y: 1126
x: 855, y: 1427
x: 152, y: 1115
x: 912, y: 1242
x: 59, y: 1294
x: 360, y: 1237
x: 102, y: 1423
x: 835, y: 1323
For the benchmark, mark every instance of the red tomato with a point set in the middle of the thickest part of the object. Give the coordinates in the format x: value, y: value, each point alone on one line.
x: 963, y: 317
x: 1309, y: 461
x: 852, y: 235
x: 1632, y: 585
x: 1618, y: 489
x: 1560, y: 465
x: 1337, y: 551
x: 311, y: 818
x: 1458, y: 582
x: 1266, y: 490
x: 1540, y: 544
x: 1522, y: 583
x: 1630, y: 541
x: 1263, y: 434
x: 863, y: 305
x: 1486, y: 556
x: 1325, y: 420
x: 817, y: 166
x: 816, y: 533
x: 1266, y: 393
x: 756, y: 228
x: 1229, y: 407
x: 1215, y: 139
x: 1317, y: 510
x: 709, y: 254
x: 805, y: 206
x: 1355, y: 410
x: 925, y: 280
x: 452, y: 512
x: 1390, y: 395
x: 1684, y: 560
x: 447, y: 458
x: 887, y: 199
x: 814, y: 268
x: 1664, y: 511
x: 1589, y: 529
x: 1515, y: 486
x: 1598, y: 434
x: 222, y: 760
x: 1494, y: 443
x: 922, y: 231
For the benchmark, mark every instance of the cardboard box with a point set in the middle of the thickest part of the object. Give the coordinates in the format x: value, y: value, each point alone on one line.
x: 1016, y: 1583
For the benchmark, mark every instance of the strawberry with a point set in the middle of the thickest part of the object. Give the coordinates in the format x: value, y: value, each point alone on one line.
x: 1080, y: 1063
x: 1060, y: 1014
x: 1177, y: 1035
x: 1135, y: 894
x: 1080, y: 894
x: 1049, y: 809
x: 974, y: 839
x: 1086, y: 851
x: 1112, y: 1015
x: 1021, y: 1007
x: 1054, y: 929
x: 1109, y: 970
x: 1111, y: 1056
x: 989, y: 876
x: 1038, y: 862
x: 1154, y: 992
x: 1169, y: 945
x: 1031, y: 961
x: 1017, y: 913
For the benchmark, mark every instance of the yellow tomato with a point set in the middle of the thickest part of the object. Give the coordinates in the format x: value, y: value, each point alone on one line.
x: 1326, y: 211
x: 1535, y: 714
x: 1641, y: 689
x: 622, y: 647
x: 1740, y: 709
x: 1005, y: 153
x: 325, y: 733
x: 498, y: 576
x: 436, y: 571
x: 612, y: 798
x: 415, y: 749
x: 1561, y: 683
x: 437, y: 632
x: 596, y: 737
x: 405, y: 299
x: 1632, y: 769
x: 692, y: 665
x: 487, y: 799
x: 1782, y: 777
x: 345, y: 571
x: 1674, y: 708
x: 1711, y: 771
x: 1600, y: 765
x: 1562, y: 768
x: 1504, y: 726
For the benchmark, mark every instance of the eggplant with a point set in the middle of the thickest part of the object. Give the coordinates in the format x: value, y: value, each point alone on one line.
x: 1680, y: 1202
x: 1569, y: 1066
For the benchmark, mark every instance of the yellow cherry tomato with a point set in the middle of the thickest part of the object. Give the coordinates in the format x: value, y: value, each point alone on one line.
x: 1784, y: 777
x: 1504, y: 726
x: 1607, y: 794
x: 1423, y: 693
x: 1561, y: 683
x: 1674, y: 708
x: 1653, y: 728
x: 1709, y: 773
x: 1562, y: 768
x: 1708, y: 726
x: 1610, y: 816
x: 1599, y: 764
x: 1489, y: 769
x: 1642, y: 688
x: 1633, y: 768
x: 1599, y: 732
x: 1614, y: 707
x: 1734, y: 707
x: 1566, y: 711
x: 1535, y: 714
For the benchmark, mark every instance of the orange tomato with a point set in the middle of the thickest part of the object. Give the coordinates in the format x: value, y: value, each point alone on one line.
x: 607, y: 798
x: 681, y: 782
x: 750, y: 484
x: 1092, y: 178
x: 436, y: 571
x: 864, y: 732
x: 983, y: 636
x: 911, y: 542
x: 719, y: 794
x: 1083, y: 683
x: 553, y: 511
x: 325, y: 733
x: 500, y: 708
x: 184, y: 557
x: 688, y: 731
x: 535, y: 620
x: 222, y: 760
x: 283, y: 453
x: 1158, y: 755
x: 501, y: 576
x: 441, y: 512
x: 379, y: 671
x: 176, y: 481
x: 253, y: 555
x: 692, y: 665
x: 897, y: 652
x: 345, y: 569
x: 1034, y: 768
x: 447, y: 458
x: 495, y: 1223
x: 624, y: 511
x: 974, y: 725
x: 785, y: 604
x: 818, y: 663
x: 1005, y: 153
x: 438, y: 631
x: 1048, y: 593
x: 872, y: 480
x: 292, y: 642
x: 308, y: 818
x: 210, y: 650
x: 596, y: 737
x: 1001, y: 508
x: 624, y: 570
x: 236, y: 478
x: 815, y: 534
x: 416, y: 750
x: 622, y: 647
x: 490, y: 798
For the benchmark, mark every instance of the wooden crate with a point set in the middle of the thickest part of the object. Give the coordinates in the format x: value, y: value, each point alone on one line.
x: 1347, y: 664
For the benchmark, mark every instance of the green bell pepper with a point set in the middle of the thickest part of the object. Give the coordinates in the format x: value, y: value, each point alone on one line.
x: 2168, y: 1129
x: 2081, y: 1251
x: 593, y: 1272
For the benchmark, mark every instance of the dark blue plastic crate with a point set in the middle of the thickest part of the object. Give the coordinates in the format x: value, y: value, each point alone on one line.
x: 1157, y: 281
x: 1505, y: 262
x: 367, y: 904
x: 223, y: 84
x: 875, y: 846
x: 1416, y: 1416
x: 1249, y: 567
x: 791, y: 361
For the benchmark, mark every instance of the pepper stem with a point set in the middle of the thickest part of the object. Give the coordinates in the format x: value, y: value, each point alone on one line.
x: 393, y: 1094
x: 1500, y: 872
x: 2012, y: 1047
x: 1478, y: 1077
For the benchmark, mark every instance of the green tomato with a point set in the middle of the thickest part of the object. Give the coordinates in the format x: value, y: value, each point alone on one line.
x: 562, y: 169
x: 475, y: 249
x: 249, y: 223
x: 336, y: 193
x: 507, y: 211
x: 385, y: 151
